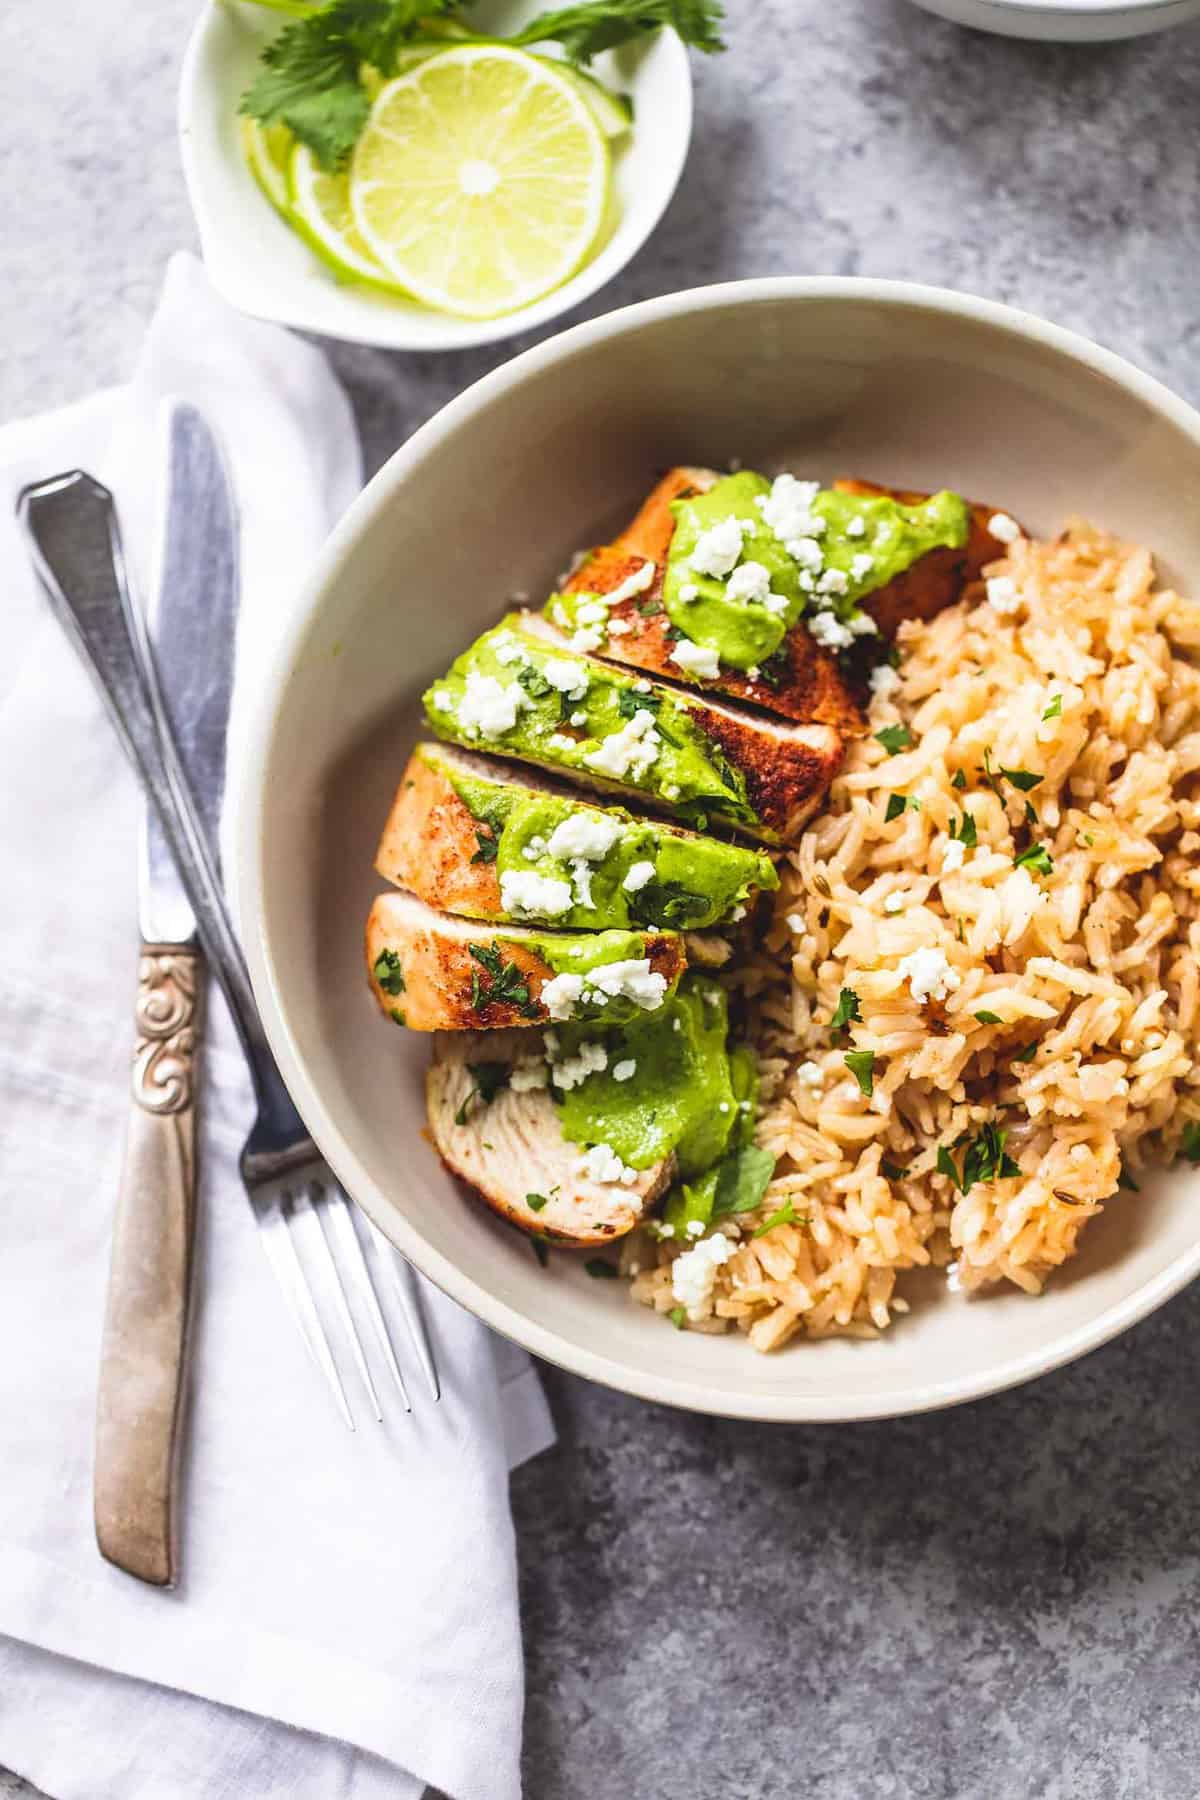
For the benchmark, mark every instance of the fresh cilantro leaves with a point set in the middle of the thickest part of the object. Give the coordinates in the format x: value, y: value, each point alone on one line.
x: 668, y: 903
x: 964, y: 832
x: 1027, y: 1054
x: 536, y: 1202
x: 678, y: 1317
x: 489, y: 846
x: 1024, y: 779
x: 388, y: 971
x: 505, y: 986
x: 861, y: 1064
x: 892, y: 1171
x: 785, y: 1216
x: 894, y: 738
x: 1054, y: 710
x: 989, y: 1018
x: 534, y: 682
x: 846, y: 1010
x: 959, y: 779
x: 900, y: 803
x: 488, y: 1078
x: 1190, y: 1142
x: 1037, y: 857
x: 595, y: 25
x: 985, y: 1159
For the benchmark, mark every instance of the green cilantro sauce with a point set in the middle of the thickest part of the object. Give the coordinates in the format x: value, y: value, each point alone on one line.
x: 867, y: 539
x: 685, y: 768
x: 697, y: 882
x: 673, y: 1100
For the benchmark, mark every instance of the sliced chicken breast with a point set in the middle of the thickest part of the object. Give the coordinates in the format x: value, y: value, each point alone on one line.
x: 434, y: 973
x: 506, y: 1142
x: 937, y: 580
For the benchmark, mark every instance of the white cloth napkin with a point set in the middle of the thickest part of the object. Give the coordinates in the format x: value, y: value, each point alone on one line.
x: 346, y: 1620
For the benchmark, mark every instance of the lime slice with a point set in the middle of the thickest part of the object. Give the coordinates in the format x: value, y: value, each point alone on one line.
x: 267, y: 150
x: 320, y: 211
x: 613, y: 113
x: 480, y: 180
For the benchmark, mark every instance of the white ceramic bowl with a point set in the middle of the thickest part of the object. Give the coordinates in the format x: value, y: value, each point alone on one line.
x: 1067, y: 21
x: 262, y: 267
x: 908, y: 385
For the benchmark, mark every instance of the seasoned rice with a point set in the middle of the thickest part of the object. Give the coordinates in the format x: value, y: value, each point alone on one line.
x: 1086, y: 679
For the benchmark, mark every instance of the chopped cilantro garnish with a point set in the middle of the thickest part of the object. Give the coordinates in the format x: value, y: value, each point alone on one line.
x: 534, y: 682
x: 785, y: 1216
x: 1036, y: 857
x: 650, y: 607
x: 678, y: 1317
x: 1125, y: 1180
x: 1027, y: 1054
x: 506, y: 985
x: 488, y: 1079
x: 388, y: 971
x: 964, y: 832
x: 540, y: 1251
x: 1190, y: 1142
x: 861, y: 1064
x: 536, y: 1202
x: 894, y: 738
x: 489, y: 846
x: 1024, y: 779
x: 959, y: 779
x: 892, y: 1171
x: 846, y: 1009
x: 1054, y: 709
x: 601, y: 1270
x: 989, y: 1018
x: 900, y: 803
x: 985, y: 1159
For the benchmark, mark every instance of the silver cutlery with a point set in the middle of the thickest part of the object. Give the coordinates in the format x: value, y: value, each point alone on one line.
x: 331, y: 1265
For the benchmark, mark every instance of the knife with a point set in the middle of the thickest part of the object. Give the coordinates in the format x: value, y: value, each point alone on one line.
x: 143, y: 1350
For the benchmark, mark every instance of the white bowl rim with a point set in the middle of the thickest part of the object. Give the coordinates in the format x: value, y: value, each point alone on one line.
x: 458, y: 334
x: 702, y: 1393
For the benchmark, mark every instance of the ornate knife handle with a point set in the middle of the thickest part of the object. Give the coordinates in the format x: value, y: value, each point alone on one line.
x: 145, y: 1327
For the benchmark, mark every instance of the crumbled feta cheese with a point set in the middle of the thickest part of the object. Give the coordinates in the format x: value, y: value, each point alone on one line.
x: 567, y: 677
x: 619, y: 628
x: 718, y: 548
x: 591, y: 612
x: 559, y: 614
x: 637, y: 583
x: 586, y: 639
x: 1002, y: 594
x: 488, y: 708
x: 1003, y: 528
x: 529, y: 895
x: 689, y: 592
x: 670, y: 791
x: 529, y: 1074
x: 639, y: 874
x: 571, y: 1071
x: 861, y: 624
x: 695, y: 1228
x: 738, y: 914
x: 558, y: 740
x: 750, y: 581
x: 883, y: 679
x: 856, y: 527
x: 631, y: 751
x: 952, y: 856
x: 808, y: 553
x: 625, y: 1070
x: 787, y: 509
x: 561, y: 996
x: 642, y: 686
x: 795, y: 922
x: 506, y: 649
x: 694, y: 1274
x: 894, y: 903
x: 776, y: 605
x: 578, y: 720
x: 810, y: 1075
x: 834, y: 581
x: 582, y: 834
x: 443, y: 701
x: 601, y: 1163
x: 581, y: 875
x: 666, y: 1231
x: 829, y: 630
x: 929, y: 974
x: 861, y: 567
x: 534, y: 848
x: 752, y: 674
x: 696, y: 659
x: 631, y: 978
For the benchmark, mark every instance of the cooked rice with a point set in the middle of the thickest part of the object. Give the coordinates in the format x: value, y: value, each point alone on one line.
x: 1096, y: 963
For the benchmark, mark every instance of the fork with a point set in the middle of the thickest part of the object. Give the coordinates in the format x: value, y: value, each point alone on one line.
x: 306, y: 1223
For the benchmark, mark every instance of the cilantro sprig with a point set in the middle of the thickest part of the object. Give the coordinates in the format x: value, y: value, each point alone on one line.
x: 985, y: 1159
x: 311, y: 75
x: 506, y: 985
x: 487, y: 1079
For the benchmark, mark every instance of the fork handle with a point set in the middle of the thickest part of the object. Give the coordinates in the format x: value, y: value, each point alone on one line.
x: 139, y: 1398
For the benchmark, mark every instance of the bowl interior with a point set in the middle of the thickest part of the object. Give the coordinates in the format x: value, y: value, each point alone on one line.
x: 261, y: 266
x: 489, y: 500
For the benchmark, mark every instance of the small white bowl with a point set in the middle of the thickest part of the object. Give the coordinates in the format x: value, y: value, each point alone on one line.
x: 262, y: 267
x: 1067, y: 21
x: 912, y: 386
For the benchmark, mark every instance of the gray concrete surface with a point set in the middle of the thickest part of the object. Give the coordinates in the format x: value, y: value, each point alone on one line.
x: 999, y: 1601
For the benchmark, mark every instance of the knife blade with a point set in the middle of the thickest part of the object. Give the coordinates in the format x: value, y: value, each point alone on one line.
x: 138, y: 1417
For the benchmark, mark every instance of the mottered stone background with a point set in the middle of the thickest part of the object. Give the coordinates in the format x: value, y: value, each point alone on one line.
x: 997, y: 1601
